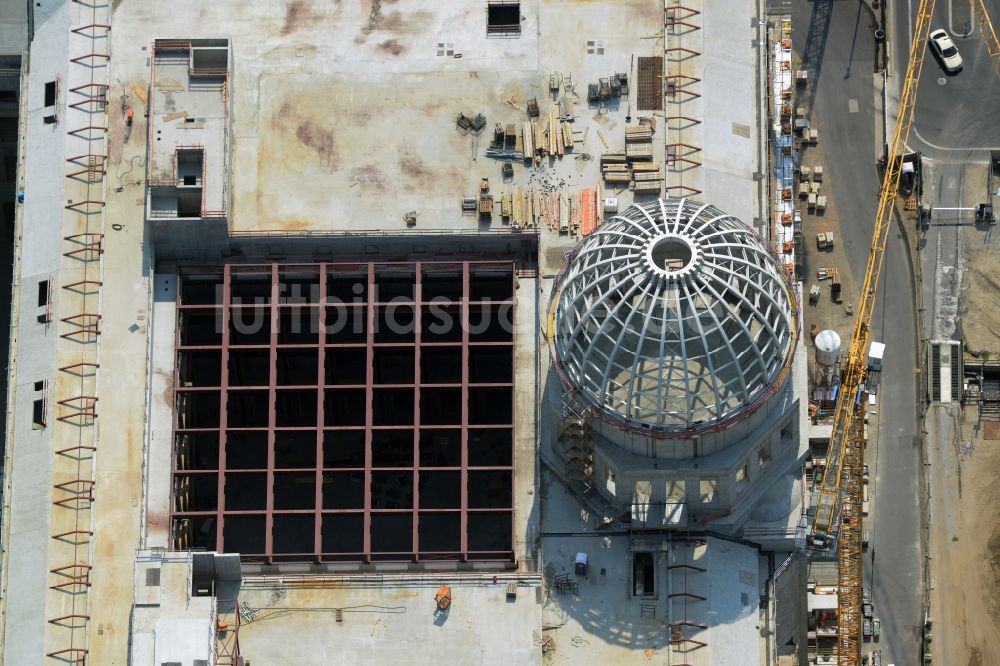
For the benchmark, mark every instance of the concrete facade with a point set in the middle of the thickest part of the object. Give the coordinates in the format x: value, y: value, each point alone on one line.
x: 29, y: 458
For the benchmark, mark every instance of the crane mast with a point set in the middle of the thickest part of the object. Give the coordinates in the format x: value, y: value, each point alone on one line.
x: 838, y: 509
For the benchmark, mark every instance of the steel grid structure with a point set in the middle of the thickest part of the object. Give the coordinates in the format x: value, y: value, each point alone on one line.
x: 673, y: 317
x: 329, y: 412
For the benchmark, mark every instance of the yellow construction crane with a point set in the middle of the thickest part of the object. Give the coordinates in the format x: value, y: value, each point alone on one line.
x: 989, y: 35
x: 838, y: 509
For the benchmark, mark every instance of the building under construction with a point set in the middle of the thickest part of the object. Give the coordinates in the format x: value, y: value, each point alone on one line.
x: 389, y: 333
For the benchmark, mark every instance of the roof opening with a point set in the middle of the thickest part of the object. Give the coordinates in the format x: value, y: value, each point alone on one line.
x: 503, y: 17
x: 671, y: 254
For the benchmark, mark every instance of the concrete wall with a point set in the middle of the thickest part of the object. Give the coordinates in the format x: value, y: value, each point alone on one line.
x: 14, y: 25
x: 740, y: 473
x: 34, y: 344
x: 159, y: 436
x: 790, y: 608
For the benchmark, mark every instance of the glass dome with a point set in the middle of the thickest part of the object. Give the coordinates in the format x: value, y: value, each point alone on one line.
x: 673, y: 316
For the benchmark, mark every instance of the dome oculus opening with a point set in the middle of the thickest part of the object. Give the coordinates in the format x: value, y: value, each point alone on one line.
x: 671, y: 254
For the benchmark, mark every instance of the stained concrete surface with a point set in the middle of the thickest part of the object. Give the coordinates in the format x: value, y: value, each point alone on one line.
x: 306, y: 43
x: 395, y: 625
x: 602, y: 621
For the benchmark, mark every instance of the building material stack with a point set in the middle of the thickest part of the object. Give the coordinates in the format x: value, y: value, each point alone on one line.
x: 614, y: 168
x: 647, y: 178
x: 635, y: 166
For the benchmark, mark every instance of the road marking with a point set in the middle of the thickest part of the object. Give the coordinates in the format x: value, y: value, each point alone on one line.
x: 916, y: 132
x: 852, y: 105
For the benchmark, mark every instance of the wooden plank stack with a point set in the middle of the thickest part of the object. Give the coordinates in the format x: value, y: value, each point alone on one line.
x: 528, y: 209
x: 647, y: 177
x: 552, y: 137
x: 615, y: 168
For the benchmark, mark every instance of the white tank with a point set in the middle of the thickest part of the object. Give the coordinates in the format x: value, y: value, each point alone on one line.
x: 827, y: 347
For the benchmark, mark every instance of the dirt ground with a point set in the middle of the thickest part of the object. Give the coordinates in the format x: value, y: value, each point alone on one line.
x: 965, y: 551
x: 981, y: 325
x: 965, y: 496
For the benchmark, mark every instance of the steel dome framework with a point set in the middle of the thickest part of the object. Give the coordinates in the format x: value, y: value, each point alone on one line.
x: 673, y: 317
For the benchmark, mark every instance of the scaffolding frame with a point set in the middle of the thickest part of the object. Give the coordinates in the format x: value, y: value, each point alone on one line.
x: 75, y: 438
x: 276, y: 305
x: 678, y: 96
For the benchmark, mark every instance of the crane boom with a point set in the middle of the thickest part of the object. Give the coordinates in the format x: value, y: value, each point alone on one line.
x: 989, y: 35
x: 838, y: 507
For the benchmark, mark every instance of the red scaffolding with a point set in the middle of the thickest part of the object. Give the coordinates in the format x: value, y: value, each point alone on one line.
x: 375, y: 444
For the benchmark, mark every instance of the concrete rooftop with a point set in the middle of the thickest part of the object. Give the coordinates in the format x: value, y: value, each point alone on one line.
x: 340, y: 117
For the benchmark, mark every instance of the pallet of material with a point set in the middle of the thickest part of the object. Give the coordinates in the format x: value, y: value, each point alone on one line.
x: 613, y: 158
x: 517, y: 208
x: 505, y: 206
x: 640, y: 133
x: 615, y: 167
x: 588, y: 212
x: 639, y: 151
x: 600, y: 202
x: 529, y: 141
x: 648, y: 187
x: 563, y: 214
x: 537, y: 137
x: 623, y: 177
x: 553, y: 215
x: 647, y: 176
x: 567, y: 134
x: 553, y: 133
x: 641, y: 167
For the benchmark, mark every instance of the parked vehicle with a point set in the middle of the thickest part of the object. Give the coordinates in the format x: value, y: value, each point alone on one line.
x: 876, y: 629
x: 944, y: 48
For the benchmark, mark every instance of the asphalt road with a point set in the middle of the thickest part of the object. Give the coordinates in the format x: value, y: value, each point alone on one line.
x: 845, y: 88
x: 954, y: 113
x: 897, y: 555
x: 841, y: 63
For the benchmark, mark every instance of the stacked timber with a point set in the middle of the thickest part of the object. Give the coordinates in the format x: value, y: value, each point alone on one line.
x: 528, y: 139
x: 517, y: 209
x: 615, y: 168
x: 553, y: 133
x: 638, y: 133
x: 567, y: 136
x: 647, y: 177
x: 639, y: 151
x: 639, y: 142
x: 528, y: 209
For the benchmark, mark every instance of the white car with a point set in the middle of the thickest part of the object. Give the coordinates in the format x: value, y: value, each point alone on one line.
x: 946, y: 50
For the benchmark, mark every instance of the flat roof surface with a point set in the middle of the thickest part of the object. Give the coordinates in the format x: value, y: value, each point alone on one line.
x: 343, y: 115
x: 344, y: 119
x: 600, y: 620
x: 397, y: 625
